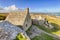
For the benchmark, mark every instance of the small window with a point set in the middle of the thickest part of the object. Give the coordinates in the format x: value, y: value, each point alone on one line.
x: 26, y: 25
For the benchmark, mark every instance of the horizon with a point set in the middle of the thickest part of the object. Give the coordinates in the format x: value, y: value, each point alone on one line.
x: 44, y: 6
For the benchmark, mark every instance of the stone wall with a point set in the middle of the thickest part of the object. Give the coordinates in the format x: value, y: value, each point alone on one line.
x: 28, y: 21
x: 39, y: 22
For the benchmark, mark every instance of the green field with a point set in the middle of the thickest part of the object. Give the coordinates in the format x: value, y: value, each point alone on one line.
x: 55, y: 22
x: 43, y: 37
x: 3, y: 16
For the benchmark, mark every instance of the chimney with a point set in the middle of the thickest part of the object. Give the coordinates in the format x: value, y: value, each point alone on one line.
x: 27, y: 10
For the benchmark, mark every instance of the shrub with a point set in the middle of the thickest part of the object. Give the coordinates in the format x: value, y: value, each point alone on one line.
x: 20, y: 36
x: 2, y: 17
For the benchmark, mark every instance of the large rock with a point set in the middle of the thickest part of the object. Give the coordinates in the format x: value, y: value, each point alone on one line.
x: 9, y: 31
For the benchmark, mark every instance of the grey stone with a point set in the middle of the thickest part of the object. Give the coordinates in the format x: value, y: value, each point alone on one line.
x: 9, y: 31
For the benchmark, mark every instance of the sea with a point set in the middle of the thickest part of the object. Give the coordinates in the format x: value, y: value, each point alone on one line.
x: 54, y: 14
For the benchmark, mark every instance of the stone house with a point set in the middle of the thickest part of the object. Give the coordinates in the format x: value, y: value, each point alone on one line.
x: 40, y: 20
x: 20, y: 18
x: 37, y: 19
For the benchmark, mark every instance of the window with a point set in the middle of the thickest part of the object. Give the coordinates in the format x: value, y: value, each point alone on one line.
x: 26, y: 25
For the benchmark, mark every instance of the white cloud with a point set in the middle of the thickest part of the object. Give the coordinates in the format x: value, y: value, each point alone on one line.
x: 12, y: 7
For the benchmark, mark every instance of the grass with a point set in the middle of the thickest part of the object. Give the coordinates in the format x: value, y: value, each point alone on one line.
x: 47, y: 37
x: 2, y: 17
x: 28, y: 31
x: 43, y: 37
x: 55, y: 22
x: 46, y: 29
x: 57, y: 33
x: 4, y: 14
x: 52, y: 31
x: 37, y: 38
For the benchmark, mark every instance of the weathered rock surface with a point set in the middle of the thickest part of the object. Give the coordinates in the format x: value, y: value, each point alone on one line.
x: 9, y: 31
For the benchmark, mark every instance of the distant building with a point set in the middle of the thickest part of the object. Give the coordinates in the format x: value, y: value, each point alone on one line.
x: 37, y: 19
x: 40, y: 20
x: 20, y: 18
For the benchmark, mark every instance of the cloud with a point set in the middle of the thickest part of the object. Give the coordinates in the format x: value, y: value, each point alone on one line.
x: 12, y: 7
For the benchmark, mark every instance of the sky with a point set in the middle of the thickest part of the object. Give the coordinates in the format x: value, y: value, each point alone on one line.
x: 33, y: 5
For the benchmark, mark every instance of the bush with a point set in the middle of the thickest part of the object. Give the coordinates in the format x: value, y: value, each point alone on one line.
x: 20, y: 36
x: 2, y: 17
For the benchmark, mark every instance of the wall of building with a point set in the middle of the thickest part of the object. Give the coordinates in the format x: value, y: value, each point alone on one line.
x: 37, y: 19
x: 39, y: 22
x: 27, y: 23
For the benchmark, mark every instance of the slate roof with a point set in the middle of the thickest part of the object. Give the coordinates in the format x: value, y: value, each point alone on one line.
x: 12, y: 30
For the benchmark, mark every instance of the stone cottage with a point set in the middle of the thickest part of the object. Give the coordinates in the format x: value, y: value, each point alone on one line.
x: 37, y: 19
x: 20, y: 18
x: 40, y: 20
